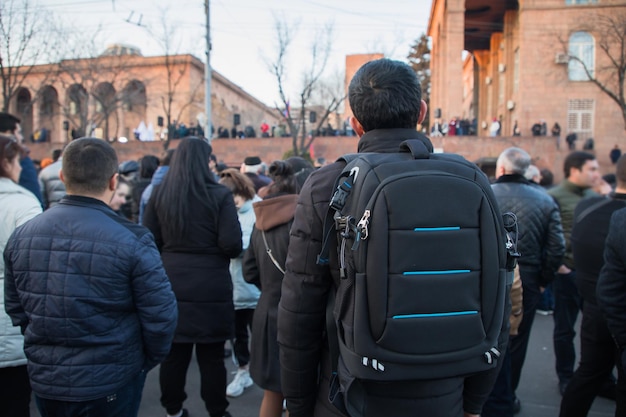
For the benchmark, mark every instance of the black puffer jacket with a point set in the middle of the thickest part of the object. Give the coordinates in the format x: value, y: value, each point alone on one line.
x: 304, y: 359
x: 611, y: 283
x: 541, y: 240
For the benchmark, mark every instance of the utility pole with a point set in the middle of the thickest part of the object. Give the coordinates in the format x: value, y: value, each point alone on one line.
x: 207, y: 75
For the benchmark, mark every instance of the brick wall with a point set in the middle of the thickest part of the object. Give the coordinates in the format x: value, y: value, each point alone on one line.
x: 233, y: 151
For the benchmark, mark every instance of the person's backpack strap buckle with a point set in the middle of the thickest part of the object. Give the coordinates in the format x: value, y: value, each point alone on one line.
x: 344, y: 188
x: 334, y: 219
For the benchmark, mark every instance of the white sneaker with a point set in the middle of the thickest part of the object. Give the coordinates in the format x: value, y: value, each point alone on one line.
x: 242, y: 381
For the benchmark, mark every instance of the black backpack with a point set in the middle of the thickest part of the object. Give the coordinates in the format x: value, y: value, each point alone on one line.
x: 423, y: 286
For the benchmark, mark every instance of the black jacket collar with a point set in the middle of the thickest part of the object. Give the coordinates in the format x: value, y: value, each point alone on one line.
x: 512, y: 178
x: 389, y: 140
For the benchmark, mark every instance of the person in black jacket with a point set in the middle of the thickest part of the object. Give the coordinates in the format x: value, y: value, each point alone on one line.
x: 542, y: 246
x: 611, y: 290
x: 598, y: 351
x: 386, y: 100
x: 89, y: 291
x: 195, y: 225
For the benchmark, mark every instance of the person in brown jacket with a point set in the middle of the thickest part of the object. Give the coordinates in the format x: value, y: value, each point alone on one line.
x: 263, y: 265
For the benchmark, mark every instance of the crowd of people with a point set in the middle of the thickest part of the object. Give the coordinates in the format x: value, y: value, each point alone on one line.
x: 111, y: 269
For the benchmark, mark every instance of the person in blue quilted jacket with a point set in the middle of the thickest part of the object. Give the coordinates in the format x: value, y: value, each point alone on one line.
x: 90, y: 294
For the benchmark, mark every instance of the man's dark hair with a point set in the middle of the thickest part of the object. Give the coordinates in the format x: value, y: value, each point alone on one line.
x: 56, y: 154
x: 88, y: 165
x: 385, y: 94
x: 547, y: 178
x: 147, y: 165
x: 576, y: 160
x: 8, y: 122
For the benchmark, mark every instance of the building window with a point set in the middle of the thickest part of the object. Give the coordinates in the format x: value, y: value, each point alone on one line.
x: 581, y: 46
x: 580, y: 117
x: 581, y: 1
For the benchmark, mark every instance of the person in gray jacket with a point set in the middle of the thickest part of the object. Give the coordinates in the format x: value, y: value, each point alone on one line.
x: 90, y: 294
x: 52, y: 188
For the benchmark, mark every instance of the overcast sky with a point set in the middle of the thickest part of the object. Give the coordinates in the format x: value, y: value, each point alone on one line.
x: 242, y: 31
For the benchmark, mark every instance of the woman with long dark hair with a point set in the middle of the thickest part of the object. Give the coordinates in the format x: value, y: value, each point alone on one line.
x: 263, y: 265
x: 194, y: 222
x: 17, y: 205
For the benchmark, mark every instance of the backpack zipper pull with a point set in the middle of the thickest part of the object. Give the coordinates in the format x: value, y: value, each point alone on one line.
x: 363, y: 224
x: 362, y: 232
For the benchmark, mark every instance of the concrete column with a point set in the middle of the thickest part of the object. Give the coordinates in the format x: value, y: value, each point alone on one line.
x: 481, y: 88
x: 453, y: 45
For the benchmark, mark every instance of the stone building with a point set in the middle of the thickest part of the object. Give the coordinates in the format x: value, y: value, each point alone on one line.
x: 114, y: 94
x: 516, y: 60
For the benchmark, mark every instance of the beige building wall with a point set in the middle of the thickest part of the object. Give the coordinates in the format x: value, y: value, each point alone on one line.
x: 186, y: 88
x: 446, y: 28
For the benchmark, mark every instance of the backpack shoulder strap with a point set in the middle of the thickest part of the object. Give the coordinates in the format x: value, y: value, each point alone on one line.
x: 342, y: 188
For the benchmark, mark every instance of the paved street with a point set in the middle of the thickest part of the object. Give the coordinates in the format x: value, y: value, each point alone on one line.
x: 538, y: 390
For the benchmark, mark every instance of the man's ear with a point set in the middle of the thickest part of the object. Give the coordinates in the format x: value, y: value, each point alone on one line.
x: 356, y: 126
x: 499, y: 171
x: 113, y: 182
x: 423, y: 110
x: 61, y: 176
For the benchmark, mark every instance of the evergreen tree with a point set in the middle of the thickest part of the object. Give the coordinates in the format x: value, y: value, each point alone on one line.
x: 419, y: 60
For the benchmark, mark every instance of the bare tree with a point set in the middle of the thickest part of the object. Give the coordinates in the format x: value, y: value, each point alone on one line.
x: 296, y: 116
x: 609, y: 74
x: 329, y: 98
x: 29, y: 36
x: 90, y: 79
x: 177, y: 70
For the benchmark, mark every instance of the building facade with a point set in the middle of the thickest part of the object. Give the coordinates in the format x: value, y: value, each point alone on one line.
x: 121, y: 94
x: 526, y: 61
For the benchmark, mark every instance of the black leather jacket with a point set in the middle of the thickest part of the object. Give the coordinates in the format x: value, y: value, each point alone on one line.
x: 541, y: 242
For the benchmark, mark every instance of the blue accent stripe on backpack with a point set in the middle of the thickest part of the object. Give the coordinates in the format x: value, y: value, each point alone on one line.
x: 436, y: 229
x: 446, y: 272
x: 419, y: 316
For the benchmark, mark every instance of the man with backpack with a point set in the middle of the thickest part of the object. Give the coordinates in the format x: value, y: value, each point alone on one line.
x: 416, y: 373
